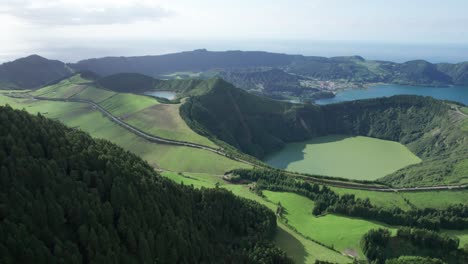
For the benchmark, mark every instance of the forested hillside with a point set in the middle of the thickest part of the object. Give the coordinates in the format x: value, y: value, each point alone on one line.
x: 354, y: 69
x: 257, y: 126
x: 424, y: 246
x: 67, y: 198
x: 31, y: 72
x: 197, y: 60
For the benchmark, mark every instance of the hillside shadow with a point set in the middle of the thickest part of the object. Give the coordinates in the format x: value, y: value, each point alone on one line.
x: 295, y: 151
x: 291, y: 245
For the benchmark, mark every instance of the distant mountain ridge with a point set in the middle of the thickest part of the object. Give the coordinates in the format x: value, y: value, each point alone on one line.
x: 248, y: 69
x: 349, y: 68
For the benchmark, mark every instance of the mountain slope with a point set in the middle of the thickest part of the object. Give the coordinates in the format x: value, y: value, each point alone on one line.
x: 354, y: 69
x: 31, y: 72
x: 69, y: 198
x: 197, y: 60
x: 127, y: 82
x: 255, y: 125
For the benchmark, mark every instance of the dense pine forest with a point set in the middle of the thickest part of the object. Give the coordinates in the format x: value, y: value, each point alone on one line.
x: 67, y: 198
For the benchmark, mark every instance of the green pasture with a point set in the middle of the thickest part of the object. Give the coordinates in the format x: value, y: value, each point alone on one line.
x: 382, y: 199
x: 86, y: 118
x: 163, y: 120
x: 339, y: 232
x: 94, y: 94
x: 143, y: 112
x: 299, y: 248
x: 123, y: 104
x: 408, y: 200
x: 63, y: 89
x: 460, y: 234
x: 436, y: 199
x: 360, y: 158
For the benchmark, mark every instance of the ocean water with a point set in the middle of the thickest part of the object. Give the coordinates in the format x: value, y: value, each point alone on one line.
x: 453, y: 93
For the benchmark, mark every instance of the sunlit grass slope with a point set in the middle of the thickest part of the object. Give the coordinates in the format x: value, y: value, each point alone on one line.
x: 87, y: 118
x: 342, y: 233
x: 143, y: 112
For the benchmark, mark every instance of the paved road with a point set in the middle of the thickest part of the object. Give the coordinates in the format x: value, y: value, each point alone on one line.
x: 336, y: 183
x: 142, y: 134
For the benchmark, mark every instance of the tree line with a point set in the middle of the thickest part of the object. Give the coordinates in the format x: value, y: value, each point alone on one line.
x: 327, y: 201
x: 379, y: 246
x: 68, y: 198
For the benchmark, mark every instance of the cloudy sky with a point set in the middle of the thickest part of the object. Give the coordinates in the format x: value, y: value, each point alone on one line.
x: 75, y: 29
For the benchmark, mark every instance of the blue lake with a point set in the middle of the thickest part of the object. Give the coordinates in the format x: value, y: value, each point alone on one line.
x: 163, y: 94
x: 453, y: 93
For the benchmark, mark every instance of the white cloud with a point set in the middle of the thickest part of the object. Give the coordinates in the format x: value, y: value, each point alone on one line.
x: 63, y: 12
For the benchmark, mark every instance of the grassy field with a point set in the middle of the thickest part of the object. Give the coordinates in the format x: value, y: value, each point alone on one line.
x: 413, y: 199
x: 125, y: 104
x: 94, y: 94
x: 164, y: 120
x: 88, y: 119
x: 299, y: 248
x: 464, y: 124
x: 436, y: 199
x: 360, y: 158
x: 341, y: 233
x: 143, y: 112
x: 64, y: 89
x: 464, y: 110
x: 383, y: 199
x: 461, y: 234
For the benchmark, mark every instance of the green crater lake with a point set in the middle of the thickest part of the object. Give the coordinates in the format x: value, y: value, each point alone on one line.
x: 353, y: 157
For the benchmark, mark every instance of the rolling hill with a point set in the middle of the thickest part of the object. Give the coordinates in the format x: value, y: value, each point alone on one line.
x: 32, y: 72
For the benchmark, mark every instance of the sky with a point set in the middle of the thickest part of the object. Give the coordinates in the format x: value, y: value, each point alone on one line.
x: 399, y: 30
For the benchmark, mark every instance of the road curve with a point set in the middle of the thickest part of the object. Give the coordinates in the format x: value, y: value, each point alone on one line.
x: 141, y: 133
x: 336, y: 183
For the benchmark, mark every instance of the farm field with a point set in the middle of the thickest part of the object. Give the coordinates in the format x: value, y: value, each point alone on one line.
x: 436, y: 199
x: 122, y: 104
x: 164, y: 120
x: 63, y: 89
x: 142, y: 112
x: 341, y: 233
x: 94, y: 94
x: 299, y: 248
x: 335, y: 155
x: 383, y: 199
x: 86, y: 118
x: 413, y: 199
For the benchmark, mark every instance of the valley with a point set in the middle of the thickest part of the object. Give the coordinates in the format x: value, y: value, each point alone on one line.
x: 227, y: 129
